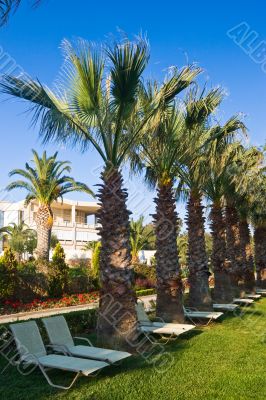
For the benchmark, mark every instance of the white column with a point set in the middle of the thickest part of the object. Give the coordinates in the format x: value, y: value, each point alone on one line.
x: 73, y: 218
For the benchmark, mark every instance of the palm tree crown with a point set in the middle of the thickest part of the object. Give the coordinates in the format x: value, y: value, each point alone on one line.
x: 46, y: 181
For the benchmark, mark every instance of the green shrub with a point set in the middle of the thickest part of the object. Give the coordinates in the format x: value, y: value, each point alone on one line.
x: 8, y: 274
x: 145, y: 292
x: 144, y: 271
x: 95, y: 261
x: 58, y: 273
x: 95, y: 266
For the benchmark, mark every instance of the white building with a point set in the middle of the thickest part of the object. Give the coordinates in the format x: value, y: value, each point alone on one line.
x: 74, y: 225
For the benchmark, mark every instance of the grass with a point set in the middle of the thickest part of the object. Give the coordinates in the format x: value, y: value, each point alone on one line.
x: 224, y: 361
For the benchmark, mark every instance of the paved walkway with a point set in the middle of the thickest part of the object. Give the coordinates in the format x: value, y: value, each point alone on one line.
x: 23, y: 316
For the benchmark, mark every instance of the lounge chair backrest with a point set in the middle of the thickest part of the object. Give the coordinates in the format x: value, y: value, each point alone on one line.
x: 141, y: 314
x: 28, y: 339
x: 58, y: 331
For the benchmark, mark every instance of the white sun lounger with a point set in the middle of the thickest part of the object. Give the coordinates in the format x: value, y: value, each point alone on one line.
x: 262, y: 292
x: 225, y: 307
x: 193, y: 314
x: 244, y: 302
x: 31, y: 351
x: 253, y: 296
x: 62, y: 341
x: 167, y: 331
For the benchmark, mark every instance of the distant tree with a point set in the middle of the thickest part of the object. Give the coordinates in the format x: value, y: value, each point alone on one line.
x: 54, y: 240
x: 139, y: 238
x: 21, y: 238
x: 45, y: 181
x: 8, y: 274
x: 58, y: 272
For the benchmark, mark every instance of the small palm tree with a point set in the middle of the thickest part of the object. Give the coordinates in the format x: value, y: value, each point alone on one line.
x: 45, y: 182
x: 19, y: 235
x: 139, y: 238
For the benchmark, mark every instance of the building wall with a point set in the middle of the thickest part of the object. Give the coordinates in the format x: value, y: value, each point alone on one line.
x: 70, y: 223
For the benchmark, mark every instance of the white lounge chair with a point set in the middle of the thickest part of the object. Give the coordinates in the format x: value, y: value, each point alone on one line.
x: 225, y: 307
x: 244, y: 302
x: 262, y: 292
x: 166, y: 331
x: 253, y: 296
x: 193, y: 314
x: 31, y: 351
x: 61, y: 340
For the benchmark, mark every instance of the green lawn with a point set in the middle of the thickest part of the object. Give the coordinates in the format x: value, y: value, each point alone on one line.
x: 226, y: 360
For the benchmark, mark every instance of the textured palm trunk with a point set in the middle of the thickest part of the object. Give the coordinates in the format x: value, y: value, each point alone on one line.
x: 199, y: 292
x: 260, y: 255
x: 117, y: 321
x: 248, y: 263
x: 222, y: 284
x: 169, y: 305
x: 234, y: 253
x: 44, y: 224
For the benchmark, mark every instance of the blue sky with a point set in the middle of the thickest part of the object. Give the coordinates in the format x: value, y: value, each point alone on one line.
x: 178, y: 32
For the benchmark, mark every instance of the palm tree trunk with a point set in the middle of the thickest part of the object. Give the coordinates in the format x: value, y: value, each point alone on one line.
x: 44, y: 223
x: 260, y: 255
x: 199, y: 293
x: 248, y: 264
x: 116, y: 326
x: 234, y: 249
x: 222, y: 284
x: 169, y: 305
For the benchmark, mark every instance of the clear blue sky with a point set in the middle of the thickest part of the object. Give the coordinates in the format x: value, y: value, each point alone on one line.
x: 178, y: 32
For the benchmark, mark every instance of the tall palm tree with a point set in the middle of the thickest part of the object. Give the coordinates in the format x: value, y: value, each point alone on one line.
x: 258, y: 219
x: 158, y: 151
x: 223, y: 151
x: 193, y: 174
x: 45, y: 182
x: 246, y: 165
x: 97, y: 105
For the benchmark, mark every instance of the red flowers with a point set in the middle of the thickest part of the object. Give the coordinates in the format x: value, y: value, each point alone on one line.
x: 10, y: 307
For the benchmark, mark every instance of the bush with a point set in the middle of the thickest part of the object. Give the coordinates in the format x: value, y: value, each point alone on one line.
x: 145, y: 292
x: 95, y: 261
x: 58, y: 273
x: 8, y: 274
x: 95, y: 266
x: 143, y: 271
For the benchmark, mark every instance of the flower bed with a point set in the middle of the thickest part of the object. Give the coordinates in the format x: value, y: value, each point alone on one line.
x: 10, y: 307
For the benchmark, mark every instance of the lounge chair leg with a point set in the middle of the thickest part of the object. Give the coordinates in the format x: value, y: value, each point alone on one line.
x: 58, y: 386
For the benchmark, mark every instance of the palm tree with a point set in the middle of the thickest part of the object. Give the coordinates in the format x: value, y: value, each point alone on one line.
x: 19, y: 236
x: 139, y: 238
x: 97, y: 105
x: 158, y: 150
x: 258, y: 219
x: 192, y: 175
x: 237, y: 205
x: 223, y: 151
x: 7, y: 7
x: 45, y: 182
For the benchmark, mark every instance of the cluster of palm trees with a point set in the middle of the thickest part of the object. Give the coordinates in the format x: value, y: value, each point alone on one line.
x: 104, y: 103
